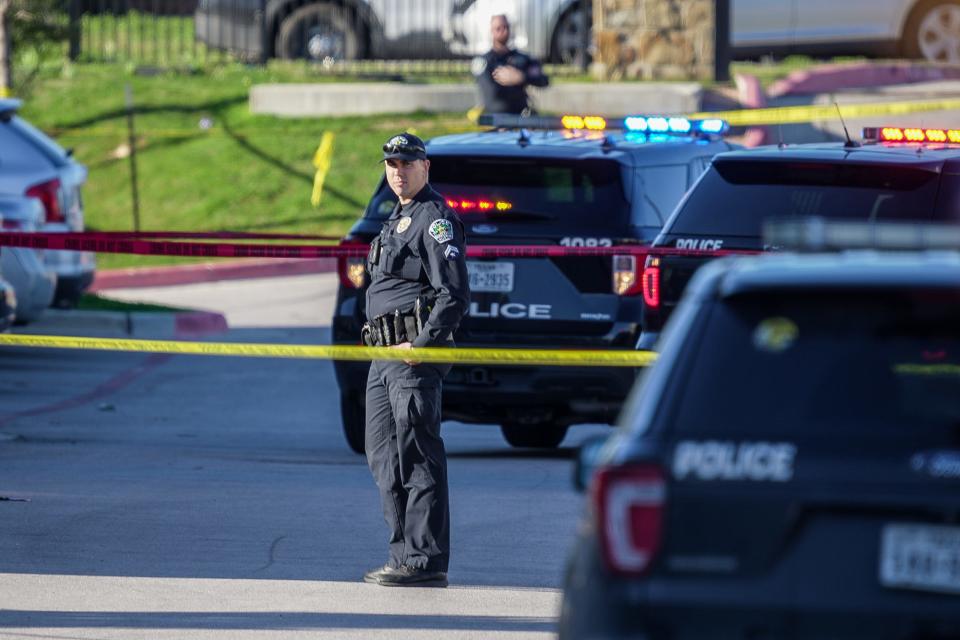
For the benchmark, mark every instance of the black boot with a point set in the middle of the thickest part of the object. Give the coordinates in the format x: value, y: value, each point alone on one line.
x: 412, y: 577
x: 374, y: 575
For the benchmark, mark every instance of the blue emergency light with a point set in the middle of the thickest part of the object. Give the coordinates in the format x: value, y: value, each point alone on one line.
x: 650, y: 125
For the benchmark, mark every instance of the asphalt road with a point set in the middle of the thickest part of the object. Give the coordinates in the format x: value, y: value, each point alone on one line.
x: 194, y: 497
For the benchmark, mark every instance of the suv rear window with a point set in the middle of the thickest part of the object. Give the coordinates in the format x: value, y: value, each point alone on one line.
x: 836, y: 364
x: 588, y: 194
x: 735, y: 197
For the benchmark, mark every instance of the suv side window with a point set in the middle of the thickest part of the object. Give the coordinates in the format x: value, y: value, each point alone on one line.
x: 17, y: 150
x: 657, y: 191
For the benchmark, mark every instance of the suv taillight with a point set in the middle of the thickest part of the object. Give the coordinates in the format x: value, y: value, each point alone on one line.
x: 650, y: 282
x: 49, y: 194
x: 352, y: 270
x: 629, y: 503
x: 625, y: 280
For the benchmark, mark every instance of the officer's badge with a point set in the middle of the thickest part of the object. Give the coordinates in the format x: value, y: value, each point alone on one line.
x: 442, y: 230
x: 398, y: 141
x: 404, y: 224
x: 478, y: 65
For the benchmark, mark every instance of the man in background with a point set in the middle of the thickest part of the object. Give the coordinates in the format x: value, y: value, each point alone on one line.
x: 503, y: 73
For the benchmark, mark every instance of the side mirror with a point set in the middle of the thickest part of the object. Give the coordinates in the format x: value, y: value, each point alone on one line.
x: 587, y: 460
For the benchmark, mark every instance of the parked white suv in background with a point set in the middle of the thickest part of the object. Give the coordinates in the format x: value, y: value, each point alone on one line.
x: 33, y: 165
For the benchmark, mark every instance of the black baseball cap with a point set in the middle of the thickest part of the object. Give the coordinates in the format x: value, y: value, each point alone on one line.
x: 404, y: 146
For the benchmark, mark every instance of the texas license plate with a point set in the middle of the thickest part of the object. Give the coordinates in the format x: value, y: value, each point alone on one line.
x: 490, y: 277
x: 924, y: 557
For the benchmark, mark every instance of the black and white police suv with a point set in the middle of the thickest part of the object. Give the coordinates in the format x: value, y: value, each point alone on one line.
x: 896, y: 174
x: 569, y: 181
x: 790, y: 465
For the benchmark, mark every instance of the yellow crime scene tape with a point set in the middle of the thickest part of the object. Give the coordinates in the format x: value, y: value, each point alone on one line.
x: 557, y: 357
x: 322, y: 160
x: 800, y: 114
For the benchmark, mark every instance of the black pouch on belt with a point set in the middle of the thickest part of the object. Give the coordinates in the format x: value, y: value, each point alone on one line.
x: 367, y: 335
x: 385, y: 322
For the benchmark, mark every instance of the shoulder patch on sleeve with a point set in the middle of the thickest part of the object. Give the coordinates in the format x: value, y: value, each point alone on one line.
x: 441, y: 230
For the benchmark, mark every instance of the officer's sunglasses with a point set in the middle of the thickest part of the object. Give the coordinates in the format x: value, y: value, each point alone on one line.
x: 402, y: 148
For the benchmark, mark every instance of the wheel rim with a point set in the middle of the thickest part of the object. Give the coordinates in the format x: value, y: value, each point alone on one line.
x: 938, y: 35
x: 569, y: 36
x: 325, y: 44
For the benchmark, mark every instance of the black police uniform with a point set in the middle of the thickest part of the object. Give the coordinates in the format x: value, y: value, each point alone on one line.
x: 418, y: 256
x: 498, y: 98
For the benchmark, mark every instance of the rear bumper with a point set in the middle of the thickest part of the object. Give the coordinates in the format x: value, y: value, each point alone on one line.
x: 598, y: 605
x: 489, y: 394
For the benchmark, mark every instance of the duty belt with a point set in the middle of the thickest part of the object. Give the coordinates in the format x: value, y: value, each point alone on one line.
x: 390, y: 329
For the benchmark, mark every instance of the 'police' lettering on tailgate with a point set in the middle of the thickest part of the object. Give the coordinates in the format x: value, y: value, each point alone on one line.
x: 699, y: 244
x: 754, y: 461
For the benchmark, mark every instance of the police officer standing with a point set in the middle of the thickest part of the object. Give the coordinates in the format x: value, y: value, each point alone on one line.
x: 502, y: 74
x: 417, y: 295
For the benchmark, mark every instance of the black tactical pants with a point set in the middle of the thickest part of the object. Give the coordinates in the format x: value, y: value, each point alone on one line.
x: 408, y: 461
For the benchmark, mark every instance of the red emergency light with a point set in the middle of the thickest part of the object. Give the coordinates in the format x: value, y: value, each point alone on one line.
x: 465, y: 206
x: 909, y: 135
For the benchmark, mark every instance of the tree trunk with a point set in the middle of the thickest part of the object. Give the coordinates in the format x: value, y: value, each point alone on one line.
x: 6, y: 65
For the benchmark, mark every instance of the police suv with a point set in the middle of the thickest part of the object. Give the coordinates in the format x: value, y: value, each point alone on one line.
x: 790, y: 466
x: 908, y: 174
x: 570, y: 181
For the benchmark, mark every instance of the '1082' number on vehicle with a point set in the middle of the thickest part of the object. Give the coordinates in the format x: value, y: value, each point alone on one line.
x: 586, y: 242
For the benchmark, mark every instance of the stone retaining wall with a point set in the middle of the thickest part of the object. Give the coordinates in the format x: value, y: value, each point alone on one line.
x: 654, y: 39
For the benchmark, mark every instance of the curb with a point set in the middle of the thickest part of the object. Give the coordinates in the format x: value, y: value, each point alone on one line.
x: 830, y: 78
x: 126, y: 324
x: 208, y: 272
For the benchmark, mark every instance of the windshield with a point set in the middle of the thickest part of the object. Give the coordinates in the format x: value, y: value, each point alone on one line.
x: 735, y: 197
x: 584, y: 194
x: 883, y: 364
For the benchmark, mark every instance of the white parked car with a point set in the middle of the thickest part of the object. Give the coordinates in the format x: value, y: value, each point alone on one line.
x: 909, y: 28
x: 35, y: 166
x: 552, y: 29
x: 33, y: 281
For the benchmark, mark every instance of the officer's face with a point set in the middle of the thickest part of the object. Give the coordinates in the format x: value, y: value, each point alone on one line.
x: 500, y: 30
x: 407, y: 177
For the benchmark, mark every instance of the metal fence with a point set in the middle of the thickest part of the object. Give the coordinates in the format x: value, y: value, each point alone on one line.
x: 337, y: 35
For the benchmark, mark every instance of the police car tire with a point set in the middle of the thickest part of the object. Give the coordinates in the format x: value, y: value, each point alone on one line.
x: 354, y: 418
x: 556, y: 40
x: 538, y: 436
x: 337, y: 17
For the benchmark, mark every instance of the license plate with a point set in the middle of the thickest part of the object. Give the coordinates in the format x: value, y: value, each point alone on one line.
x: 490, y: 277
x: 924, y: 557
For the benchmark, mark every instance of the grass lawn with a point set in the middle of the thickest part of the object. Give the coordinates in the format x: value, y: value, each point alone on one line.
x: 93, y: 302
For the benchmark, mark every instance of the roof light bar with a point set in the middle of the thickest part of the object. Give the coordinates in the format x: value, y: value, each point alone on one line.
x: 817, y: 234
x: 669, y: 125
x: 907, y: 135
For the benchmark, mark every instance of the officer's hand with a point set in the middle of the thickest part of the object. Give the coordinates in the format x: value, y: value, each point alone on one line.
x: 508, y: 76
x: 406, y: 345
